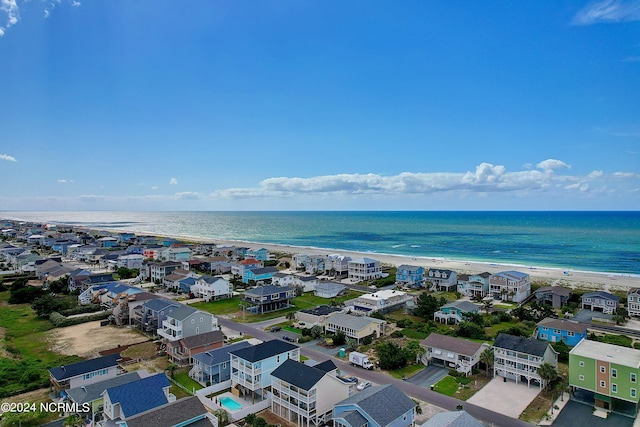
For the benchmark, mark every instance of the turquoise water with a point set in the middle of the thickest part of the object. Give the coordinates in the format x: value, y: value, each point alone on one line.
x: 230, y: 404
x: 587, y: 241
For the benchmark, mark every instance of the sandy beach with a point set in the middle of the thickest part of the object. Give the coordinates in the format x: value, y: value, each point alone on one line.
x: 551, y: 276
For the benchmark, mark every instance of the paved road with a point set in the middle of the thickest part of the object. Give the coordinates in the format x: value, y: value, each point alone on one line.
x: 415, y: 391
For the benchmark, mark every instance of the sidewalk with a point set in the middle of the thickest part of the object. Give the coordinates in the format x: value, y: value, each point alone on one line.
x: 551, y: 417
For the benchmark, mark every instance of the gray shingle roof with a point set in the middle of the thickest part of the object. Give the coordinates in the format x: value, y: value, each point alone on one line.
x: 465, y: 306
x: 264, y: 350
x: 601, y: 294
x: 353, y: 322
x: 181, y: 312
x: 202, y: 339
x: 452, y: 419
x: 220, y: 355
x: 375, y: 402
x: 521, y: 345
x: 354, y: 418
x: 68, y: 371
x: 267, y: 290
x: 456, y: 345
x: 171, y: 414
x: 299, y: 374
x: 566, y: 325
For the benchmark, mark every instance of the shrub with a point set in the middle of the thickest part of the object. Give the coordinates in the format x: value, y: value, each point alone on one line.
x: 60, y: 321
x: 397, y: 334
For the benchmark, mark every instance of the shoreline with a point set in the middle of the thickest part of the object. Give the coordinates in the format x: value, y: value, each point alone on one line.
x: 577, y: 279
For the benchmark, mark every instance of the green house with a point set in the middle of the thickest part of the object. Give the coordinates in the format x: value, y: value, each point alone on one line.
x: 605, y: 375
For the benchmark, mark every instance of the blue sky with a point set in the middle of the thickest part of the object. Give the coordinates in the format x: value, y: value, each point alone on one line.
x: 303, y: 105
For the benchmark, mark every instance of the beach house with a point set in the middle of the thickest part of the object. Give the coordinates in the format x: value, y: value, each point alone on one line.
x: 356, y: 327
x: 182, y: 351
x: 82, y: 373
x: 451, y: 352
x: 264, y: 299
x: 600, y: 301
x: 510, y: 286
x: 476, y: 285
x: 337, y: 265
x: 214, y: 366
x: 453, y: 312
x: 410, y: 276
x: 212, y: 288
x: 329, y: 289
x: 183, y: 321
x: 442, y: 280
x: 305, y: 395
x: 186, y: 412
x: 556, y: 330
x: 518, y: 358
x: 251, y: 367
x: 633, y: 302
x: 555, y: 296
x: 126, y: 400
x: 363, y: 269
x: 384, y: 301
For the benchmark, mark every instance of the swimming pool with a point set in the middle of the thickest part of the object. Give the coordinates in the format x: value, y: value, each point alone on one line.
x: 230, y: 404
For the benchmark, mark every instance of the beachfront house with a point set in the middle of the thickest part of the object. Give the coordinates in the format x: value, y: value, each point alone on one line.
x: 556, y: 330
x: 337, y: 265
x: 356, y: 327
x: 212, y: 288
x: 305, y: 395
x: 555, y: 296
x: 183, y: 321
x: 451, y: 352
x: 264, y: 299
x: 213, y: 366
x: 309, y: 263
x: 364, y: 269
x: 601, y: 301
x: 518, y: 358
x: 82, y: 373
x: 633, y: 302
x: 476, y: 285
x: 510, y: 286
x: 442, y: 280
x: 606, y: 376
x: 251, y: 367
x: 329, y: 289
x: 410, y: 276
x: 126, y: 400
x: 259, y: 275
x: 453, y: 312
x: 261, y: 254
x: 371, y: 408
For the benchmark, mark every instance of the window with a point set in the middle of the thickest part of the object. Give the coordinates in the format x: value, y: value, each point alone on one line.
x: 633, y: 392
x: 581, y: 364
x: 556, y: 331
x: 603, y: 369
x: 614, y: 388
x: 224, y: 365
x: 633, y: 377
x: 571, y: 333
x: 603, y: 383
x: 581, y: 377
x: 614, y: 373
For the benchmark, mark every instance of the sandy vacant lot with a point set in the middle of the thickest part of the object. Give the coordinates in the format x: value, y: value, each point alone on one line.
x: 87, y: 339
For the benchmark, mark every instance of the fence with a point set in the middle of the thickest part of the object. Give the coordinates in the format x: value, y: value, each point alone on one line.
x: 233, y: 415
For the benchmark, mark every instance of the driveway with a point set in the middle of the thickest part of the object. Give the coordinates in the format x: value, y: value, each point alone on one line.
x: 579, y: 414
x: 586, y: 316
x: 507, y: 398
x: 429, y: 376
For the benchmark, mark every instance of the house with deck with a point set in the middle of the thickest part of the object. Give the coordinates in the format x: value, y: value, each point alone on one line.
x: 337, y: 265
x: 186, y: 412
x: 212, y: 288
x: 329, y: 289
x: 151, y: 313
x: 305, y: 395
x: 557, y: 330
x: 371, y: 408
x: 82, y: 373
x: 213, y: 366
x: 518, y: 358
x: 183, y: 321
x: 251, y: 367
x: 475, y: 285
x: 257, y: 275
x: 317, y: 315
x: 633, y: 302
x: 601, y: 301
x: 182, y: 351
x: 555, y: 296
x: 246, y: 264
x: 452, y: 352
x: 364, y: 269
x: 356, y: 327
x: 127, y: 400
x: 410, y: 276
x: 264, y: 299
x: 442, y: 279
x: 453, y: 312
x: 510, y: 286
x: 384, y: 301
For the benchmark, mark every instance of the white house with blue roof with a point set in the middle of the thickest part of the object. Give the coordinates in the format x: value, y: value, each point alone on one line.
x: 83, y: 373
x: 214, y: 366
x: 127, y: 400
x: 377, y: 406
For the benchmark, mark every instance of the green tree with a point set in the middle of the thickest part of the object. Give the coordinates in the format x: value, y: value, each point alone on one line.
x: 46, y: 304
x: 470, y: 330
x: 427, y: 305
x: 290, y: 316
x: 74, y: 420
x: 316, y: 331
x: 339, y: 338
x: 390, y: 355
x: 487, y: 305
x: 414, y: 351
x: 548, y: 373
x: 487, y: 358
x: 223, y: 417
x: 250, y: 419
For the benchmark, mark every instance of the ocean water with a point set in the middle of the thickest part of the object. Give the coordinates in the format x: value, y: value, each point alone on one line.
x: 586, y: 241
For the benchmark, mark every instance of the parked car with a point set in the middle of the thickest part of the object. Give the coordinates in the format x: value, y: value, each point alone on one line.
x: 352, y: 379
x: 288, y: 338
x: 276, y: 328
x: 363, y: 385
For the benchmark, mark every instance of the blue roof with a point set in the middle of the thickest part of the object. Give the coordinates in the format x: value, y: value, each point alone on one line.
x: 69, y: 371
x: 140, y: 396
x: 188, y: 281
x: 219, y: 355
x: 117, y: 288
x: 601, y: 294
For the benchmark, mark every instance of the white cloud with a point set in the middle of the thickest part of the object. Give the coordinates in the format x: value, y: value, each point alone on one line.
x: 7, y: 157
x: 552, y: 164
x: 624, y: 175
x: 173, y: 181
x: 155, y: 187
x: 75, y: 3
x: 63, y: 181
x: 595, y: 174
x: 608, y: 11
x: 9, y: 8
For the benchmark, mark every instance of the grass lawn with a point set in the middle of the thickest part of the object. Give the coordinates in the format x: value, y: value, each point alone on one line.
x: 448, y: 385
x: 224, y: 306
x: 407, y: 371
x: 186, y: 381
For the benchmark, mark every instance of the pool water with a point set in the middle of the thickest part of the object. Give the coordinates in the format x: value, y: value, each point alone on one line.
x: 231, y: 404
